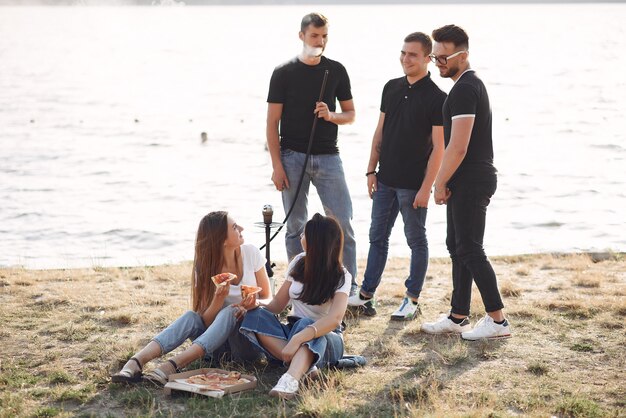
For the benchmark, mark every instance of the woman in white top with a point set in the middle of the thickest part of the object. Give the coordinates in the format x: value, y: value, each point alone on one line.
x: 213, y: 322
x: 317, y: 286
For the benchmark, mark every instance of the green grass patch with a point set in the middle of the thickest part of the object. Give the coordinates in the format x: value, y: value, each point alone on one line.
x: 580, y: 407
x: 537, y: 368
x: 582, y: 347
x: 57, y: 377
x: 17, y: 378
x: 46, y: 412
x: 80, y: 395
x: 140, y: 398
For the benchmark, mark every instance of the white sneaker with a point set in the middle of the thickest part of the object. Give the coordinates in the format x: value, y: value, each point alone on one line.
x: 355, y: 300
x: 286, y: 388
x: 444, y: 325
x: 407, y: 310
x: 486, y: 328
x: 366, y: 306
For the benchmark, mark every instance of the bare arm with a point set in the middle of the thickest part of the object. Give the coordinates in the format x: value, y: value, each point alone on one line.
x: 274, y: 113
x: 377, y: 140
x: 453, y: 156
x: 346, y: 116
x: 263, y: 282
x: 327, y: 323
x: 320, y: 327
x: 209, y: 314
x: 434, y: 163
x: 281, y: 299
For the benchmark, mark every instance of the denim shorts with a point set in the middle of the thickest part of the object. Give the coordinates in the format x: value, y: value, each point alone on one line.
x: 327, y: 349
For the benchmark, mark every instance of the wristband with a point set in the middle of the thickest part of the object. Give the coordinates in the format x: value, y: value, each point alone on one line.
x: 369, y: 173
x: 314, y: 330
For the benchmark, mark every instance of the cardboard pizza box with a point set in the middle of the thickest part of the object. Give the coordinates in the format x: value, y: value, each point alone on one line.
x: 176, y: 381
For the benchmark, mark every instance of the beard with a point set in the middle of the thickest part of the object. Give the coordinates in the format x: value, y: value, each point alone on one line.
x: 449, y: 73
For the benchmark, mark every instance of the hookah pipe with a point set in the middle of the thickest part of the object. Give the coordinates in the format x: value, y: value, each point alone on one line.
x: 306, y: 161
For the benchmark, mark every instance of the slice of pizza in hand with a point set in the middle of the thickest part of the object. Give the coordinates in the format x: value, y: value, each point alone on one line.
x: 223, y: 278
x: 249, y: 290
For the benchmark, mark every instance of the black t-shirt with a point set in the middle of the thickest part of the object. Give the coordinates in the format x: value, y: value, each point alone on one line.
x: 297, y: 86
x: 410, y: 111
x: 469, y: 97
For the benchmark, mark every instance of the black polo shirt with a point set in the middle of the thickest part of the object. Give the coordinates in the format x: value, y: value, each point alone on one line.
x: 297, y: 86
x: 469, y: 98
x: 411, y: 111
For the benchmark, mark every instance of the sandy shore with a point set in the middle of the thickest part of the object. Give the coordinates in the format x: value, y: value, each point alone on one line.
x: 64, y: 331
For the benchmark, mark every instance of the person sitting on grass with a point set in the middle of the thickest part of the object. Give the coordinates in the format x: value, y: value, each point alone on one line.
x: 217, y: 310
x: 317, y: 286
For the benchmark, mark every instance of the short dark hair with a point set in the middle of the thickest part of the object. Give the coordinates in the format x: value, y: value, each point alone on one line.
x: 422, y: 38
x: 316, y: 19
x: 452, y: 33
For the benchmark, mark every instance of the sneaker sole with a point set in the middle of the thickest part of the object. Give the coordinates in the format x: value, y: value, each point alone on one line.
x: 442, y: 333
x: 282, y: 395
x: 497, y: 337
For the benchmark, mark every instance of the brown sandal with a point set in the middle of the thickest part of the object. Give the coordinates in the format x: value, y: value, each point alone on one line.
x: 158, y: 376
x: 126, y: 376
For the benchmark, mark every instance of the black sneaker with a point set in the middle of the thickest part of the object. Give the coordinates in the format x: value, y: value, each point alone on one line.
x: 367, y: 308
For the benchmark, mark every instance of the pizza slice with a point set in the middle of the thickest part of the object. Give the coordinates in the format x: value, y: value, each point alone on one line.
x: 223, y: 278
x: 216, y: 381
x: 249, y: 290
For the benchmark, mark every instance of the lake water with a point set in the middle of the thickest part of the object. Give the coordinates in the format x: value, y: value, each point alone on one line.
x: 101, y: 111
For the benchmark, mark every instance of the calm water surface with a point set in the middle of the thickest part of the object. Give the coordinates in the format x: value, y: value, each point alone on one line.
x: 101, y: 111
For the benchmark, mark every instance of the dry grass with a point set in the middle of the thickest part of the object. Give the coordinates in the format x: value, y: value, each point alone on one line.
x: 64, y: 331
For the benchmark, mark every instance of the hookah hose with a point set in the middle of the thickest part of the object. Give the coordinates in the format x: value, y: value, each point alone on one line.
x: 306, y: 161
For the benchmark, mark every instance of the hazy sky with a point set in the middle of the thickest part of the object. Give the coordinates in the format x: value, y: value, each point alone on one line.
x: 233, y: 2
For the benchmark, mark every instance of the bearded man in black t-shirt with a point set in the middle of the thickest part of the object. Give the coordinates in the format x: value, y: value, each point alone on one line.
x: 465, y: 183
x: 407, y: 148
x: 293, y: 102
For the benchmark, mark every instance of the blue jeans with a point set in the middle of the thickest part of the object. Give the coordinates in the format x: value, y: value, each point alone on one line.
x: 220, y: 337
x: 327, y: 349
x: 387, y: 203
x: 467, y: 216
x: 326, y: 173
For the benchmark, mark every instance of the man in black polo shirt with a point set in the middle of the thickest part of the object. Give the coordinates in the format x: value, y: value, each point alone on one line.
x: 292, y: 103
x: 466, y: 182
x: 407, y: 147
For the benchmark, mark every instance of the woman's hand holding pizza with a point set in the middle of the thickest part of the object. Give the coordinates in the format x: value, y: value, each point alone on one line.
x: 250, y: 302
x: 240, y: 311
x: 221, y: 291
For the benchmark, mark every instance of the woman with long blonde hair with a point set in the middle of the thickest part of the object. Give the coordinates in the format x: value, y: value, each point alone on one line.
x: 214, y: 320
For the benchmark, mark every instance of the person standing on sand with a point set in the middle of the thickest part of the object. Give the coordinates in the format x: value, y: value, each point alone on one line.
x: 465, y: 183
x: 213, y: 324
x: 408, y: 148
x: 292, y: 104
